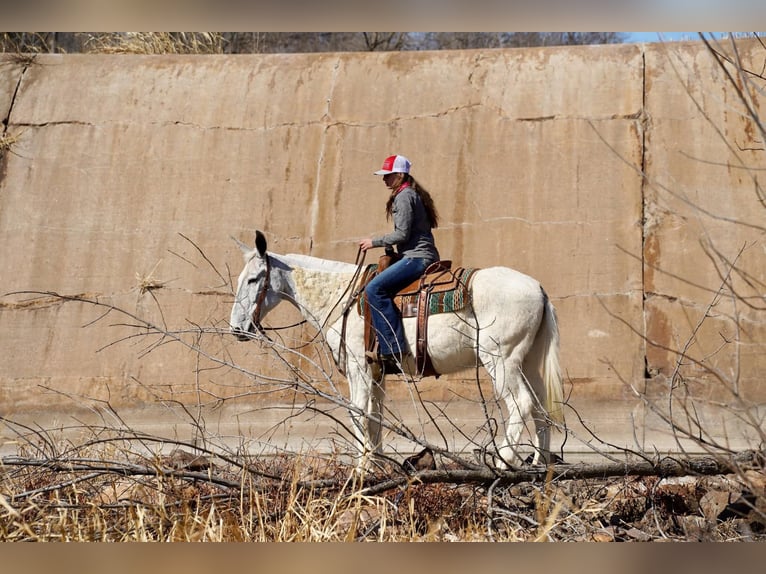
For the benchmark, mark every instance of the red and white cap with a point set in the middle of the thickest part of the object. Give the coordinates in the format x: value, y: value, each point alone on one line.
x: 394, y: 164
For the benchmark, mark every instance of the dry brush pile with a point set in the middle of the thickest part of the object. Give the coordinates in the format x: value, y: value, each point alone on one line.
x: 103, y: 492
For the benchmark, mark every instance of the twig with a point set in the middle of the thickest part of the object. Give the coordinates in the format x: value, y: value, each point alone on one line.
x: 205, y: 257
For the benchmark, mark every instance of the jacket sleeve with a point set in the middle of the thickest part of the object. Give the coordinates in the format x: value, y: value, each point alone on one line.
x: 403, y: 213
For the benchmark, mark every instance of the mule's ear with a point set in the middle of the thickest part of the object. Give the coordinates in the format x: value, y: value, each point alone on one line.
x: 243, y: 247
x: 260, y: 243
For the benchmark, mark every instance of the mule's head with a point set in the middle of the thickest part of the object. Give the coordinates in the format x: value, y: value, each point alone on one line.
x: 255, y: 296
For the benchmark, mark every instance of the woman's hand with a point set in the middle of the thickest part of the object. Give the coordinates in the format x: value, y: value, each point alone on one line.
x: 365, y: 244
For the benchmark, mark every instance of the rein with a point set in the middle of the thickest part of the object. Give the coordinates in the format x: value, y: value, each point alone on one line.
x: 351, y: 284
x: 342, y: 353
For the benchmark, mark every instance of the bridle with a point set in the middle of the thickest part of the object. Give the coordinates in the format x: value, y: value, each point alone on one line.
x: 261, y: 297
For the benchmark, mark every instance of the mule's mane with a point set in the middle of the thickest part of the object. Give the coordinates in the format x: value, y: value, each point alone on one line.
x: 309, y: 263
x: 319, y: 284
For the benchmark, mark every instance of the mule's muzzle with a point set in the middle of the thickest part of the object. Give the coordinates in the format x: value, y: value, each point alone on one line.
x: 243, y: 335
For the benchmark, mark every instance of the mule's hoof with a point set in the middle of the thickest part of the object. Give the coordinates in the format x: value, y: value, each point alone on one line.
x: 555, y: 459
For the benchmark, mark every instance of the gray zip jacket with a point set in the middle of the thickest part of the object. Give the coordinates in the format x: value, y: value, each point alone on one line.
x: 412, y: 234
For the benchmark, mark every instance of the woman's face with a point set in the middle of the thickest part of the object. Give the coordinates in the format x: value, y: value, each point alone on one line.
x: 393, y: 180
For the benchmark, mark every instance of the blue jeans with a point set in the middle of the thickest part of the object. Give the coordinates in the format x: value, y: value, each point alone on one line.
x: 380, y: 294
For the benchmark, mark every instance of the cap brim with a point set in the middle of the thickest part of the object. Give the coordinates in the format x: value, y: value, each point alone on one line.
x: 382, y: 172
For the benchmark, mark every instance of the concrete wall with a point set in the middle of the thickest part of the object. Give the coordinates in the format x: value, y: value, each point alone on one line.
x: 134, y: 171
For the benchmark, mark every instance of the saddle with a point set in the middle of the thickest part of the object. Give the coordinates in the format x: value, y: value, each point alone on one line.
x: 439, y: 290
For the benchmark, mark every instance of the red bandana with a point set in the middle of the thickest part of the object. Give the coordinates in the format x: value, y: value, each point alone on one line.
x: 402, y: 187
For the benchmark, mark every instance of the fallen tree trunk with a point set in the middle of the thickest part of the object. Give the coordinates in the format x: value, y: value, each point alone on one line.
x: 486, y: 476
x: 664, y: 467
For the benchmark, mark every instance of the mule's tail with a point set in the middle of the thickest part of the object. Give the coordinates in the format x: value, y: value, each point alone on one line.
x: 544, y: 358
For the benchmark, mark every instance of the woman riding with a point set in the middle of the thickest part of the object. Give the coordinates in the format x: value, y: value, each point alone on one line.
x: 414, y: 215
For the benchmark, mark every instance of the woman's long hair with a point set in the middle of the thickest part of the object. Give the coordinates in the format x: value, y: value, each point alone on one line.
x: 425, y: 197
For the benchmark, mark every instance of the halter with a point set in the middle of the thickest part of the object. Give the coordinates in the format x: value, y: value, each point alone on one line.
x: 256, y: 317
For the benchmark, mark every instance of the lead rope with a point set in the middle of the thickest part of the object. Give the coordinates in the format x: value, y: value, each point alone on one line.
x: 352, y: 284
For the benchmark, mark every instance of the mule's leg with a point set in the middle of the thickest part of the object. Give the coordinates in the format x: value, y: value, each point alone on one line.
x: 542, y: 445
x: 360, y: 391
x: 366, y: 400
x: 543, y: 434
x: 375, y: 423
x: 512, y: 391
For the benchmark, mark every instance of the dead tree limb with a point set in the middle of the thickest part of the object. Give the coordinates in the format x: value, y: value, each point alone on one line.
x: 665, y: 467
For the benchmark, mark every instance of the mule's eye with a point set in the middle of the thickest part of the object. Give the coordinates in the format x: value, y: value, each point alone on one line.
x: 253, y: 278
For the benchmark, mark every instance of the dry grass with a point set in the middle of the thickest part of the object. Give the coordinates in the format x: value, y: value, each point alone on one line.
x: 25, y: 46
x: 28, y: 44
x: 147, y: 282
x: 156, y: 43
x: 7, y: 141
x: 289, y: 498
x: 317, y: 499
